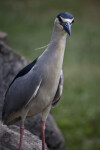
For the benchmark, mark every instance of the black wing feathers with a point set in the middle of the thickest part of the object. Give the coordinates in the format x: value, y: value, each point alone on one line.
x: 9, y: 102
x: 24, y: 71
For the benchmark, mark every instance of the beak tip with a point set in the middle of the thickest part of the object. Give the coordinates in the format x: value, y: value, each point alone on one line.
x: 67, y: 27
x: 69, y: 34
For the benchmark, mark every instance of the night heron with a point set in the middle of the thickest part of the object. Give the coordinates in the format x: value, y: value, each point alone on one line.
x: 39, y: 85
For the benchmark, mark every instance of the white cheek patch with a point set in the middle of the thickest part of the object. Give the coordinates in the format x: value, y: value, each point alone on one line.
x: 67, y: 20
x: 60, y: 26
x: 56, y: 20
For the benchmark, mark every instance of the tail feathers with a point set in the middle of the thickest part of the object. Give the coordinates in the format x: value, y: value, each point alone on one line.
x: 12, y: 118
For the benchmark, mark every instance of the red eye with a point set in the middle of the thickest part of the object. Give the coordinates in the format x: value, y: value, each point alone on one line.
x: 73, y: 21
x: 60, y: 20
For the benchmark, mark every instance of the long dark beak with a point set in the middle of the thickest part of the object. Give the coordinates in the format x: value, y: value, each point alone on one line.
x: 67, y: 27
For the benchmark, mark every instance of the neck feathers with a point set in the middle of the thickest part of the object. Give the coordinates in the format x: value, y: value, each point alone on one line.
x: 58, y: 41
x: 55, y: 52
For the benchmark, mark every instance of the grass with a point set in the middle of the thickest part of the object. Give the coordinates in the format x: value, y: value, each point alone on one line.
x: 29, y: 25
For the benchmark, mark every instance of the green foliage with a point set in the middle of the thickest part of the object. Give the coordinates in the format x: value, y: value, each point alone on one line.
x: 29, y: 25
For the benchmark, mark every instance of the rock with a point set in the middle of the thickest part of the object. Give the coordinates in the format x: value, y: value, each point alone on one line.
x: 9, y: 139
x: 10, y: 64
x: 54, y: 138
x: 3, y: 37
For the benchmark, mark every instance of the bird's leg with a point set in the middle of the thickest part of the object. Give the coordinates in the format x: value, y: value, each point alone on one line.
x: 43, y: 134
x: 21, y: 135
x: 44, y: 117
x: 23, y: 116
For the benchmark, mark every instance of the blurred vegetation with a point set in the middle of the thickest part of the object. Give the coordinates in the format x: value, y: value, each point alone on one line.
x: 29, y: 25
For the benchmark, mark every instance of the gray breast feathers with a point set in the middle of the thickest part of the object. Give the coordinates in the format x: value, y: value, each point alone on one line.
x: 59, y: 90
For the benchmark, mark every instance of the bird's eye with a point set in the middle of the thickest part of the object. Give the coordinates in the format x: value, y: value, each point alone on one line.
x: 60, y: 20
x: 73, y: 21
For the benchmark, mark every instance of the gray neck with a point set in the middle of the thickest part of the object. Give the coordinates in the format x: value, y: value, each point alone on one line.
x: 57, y: 44
x: 54, y: 53
x: 60, y: 33
x: 58, y: 40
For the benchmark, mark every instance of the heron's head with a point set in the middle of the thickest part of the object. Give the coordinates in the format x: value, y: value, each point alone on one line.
x: 64, y: 21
